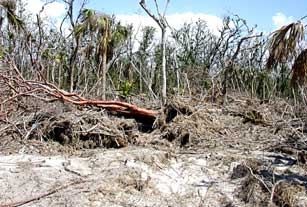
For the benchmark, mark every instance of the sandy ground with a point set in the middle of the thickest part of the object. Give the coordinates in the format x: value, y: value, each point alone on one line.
x: 127, y: 177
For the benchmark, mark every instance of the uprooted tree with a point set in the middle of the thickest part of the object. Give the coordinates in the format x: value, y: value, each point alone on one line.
x: 14, y: 84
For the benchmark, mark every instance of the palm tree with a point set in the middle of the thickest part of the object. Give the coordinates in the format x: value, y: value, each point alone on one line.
x: 283, y: 48
x: 107, y: 38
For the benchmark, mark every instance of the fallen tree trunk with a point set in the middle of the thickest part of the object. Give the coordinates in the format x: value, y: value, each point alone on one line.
x: 19, y: 86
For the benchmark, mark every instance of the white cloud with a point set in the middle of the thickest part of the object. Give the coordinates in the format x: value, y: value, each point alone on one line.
x: 137, y: 21
x: 175, y: 20
x: 52, y: 10
x: 33, y: 6
x: 55, y: 9
x: 280, y: 19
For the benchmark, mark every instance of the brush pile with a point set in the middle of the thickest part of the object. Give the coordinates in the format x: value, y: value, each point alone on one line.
x: 257, y: 149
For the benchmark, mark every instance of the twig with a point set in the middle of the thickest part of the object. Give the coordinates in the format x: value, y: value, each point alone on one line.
x: 50, y: 192
x: 304, y: 17
x: 34, y: 126
x: 273, y: 191
x: 15, y: 126
x: 259, y: 179
x: 5, y: 128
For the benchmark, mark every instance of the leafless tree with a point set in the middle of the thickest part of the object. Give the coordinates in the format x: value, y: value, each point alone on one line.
x: 161, y: 21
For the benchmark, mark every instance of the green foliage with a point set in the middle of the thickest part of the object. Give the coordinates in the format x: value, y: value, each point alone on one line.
x: 87, y: 13
x: 46, y: 54
x: 119, y: 33
x: 60, y: 57
x: 207, y: 83
x: 126, y: 88
x: 79, y: 30
x: 2, y: 50
x: 101, y: 21
x: 147, y: 39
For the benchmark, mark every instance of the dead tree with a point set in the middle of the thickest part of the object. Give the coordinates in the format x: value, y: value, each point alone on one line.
x: 161, y: 21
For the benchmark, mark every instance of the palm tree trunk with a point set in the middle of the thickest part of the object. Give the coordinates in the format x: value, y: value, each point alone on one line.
x: 72, y: 64
x: 103, y: 74
x: 60, y: 76
x: 71, y: 77
x: 140, y: 77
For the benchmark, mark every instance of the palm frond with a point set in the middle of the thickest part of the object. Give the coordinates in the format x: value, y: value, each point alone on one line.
x: 284, y: 43
x: 87, y: 14
x: 79, y: 30
x: 92, y: 21
x: 101, y: 21
x: 15, y: 21
x: 299, y: 69
x: 119, y: 34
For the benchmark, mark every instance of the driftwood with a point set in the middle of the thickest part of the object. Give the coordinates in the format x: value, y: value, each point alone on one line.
x: 19, y: 86
x: 44, y: 195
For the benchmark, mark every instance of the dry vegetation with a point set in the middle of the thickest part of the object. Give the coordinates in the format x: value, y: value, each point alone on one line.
x: 84, y: 122
x: 253, y: 152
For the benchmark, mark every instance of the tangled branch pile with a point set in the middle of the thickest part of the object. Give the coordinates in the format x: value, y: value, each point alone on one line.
x: 13, y: 81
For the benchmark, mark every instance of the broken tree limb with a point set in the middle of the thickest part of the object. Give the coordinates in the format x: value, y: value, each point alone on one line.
x: 22, y: 87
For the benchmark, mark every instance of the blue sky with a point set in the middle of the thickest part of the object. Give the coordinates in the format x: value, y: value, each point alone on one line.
x: 258, y: 12
x: 267, y: 14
